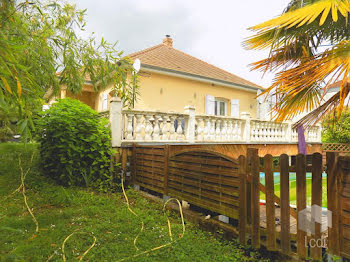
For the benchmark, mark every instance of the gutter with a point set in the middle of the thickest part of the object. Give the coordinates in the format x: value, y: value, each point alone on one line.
x: 189, y: 76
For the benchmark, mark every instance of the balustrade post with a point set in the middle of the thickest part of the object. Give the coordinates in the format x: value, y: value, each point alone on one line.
x: 129, y: 129
x: 148, y: 128
x: 218, y: 135
x: 200, y: 130
x: 206, y: 131
x: 115, y: 118
x: 212, y: 129
x: 190, y: 124
x: 179, y: 130
x: 224, y: 130
x: 246, y: 132
x: 165, y: 129
x: 172, y: 127
x: 288, y: 137
x: 138, y: 127
x: 156, y: 128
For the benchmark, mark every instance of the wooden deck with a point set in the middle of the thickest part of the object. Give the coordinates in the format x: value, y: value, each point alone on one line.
x: 293, y: 221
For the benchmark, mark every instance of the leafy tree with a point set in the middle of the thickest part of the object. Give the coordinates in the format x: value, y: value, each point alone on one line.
x: 337, y: 131
x: 40, y: 38
x: 309, y: 48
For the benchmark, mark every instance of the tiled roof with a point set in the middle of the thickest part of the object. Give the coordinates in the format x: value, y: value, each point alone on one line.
x: 166, y: 57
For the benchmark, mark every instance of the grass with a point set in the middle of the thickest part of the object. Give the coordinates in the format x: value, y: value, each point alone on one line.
x: 60, y: 211
x: 293, y: 192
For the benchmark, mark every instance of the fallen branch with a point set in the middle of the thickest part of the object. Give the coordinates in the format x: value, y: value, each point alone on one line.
x: 22, y: 186
x: 87, y: 251
x: 169, y: 227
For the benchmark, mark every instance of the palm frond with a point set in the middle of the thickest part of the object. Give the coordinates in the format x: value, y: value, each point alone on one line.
x: 308, y: 14
x: 285, y: 57
x: 301, y: 83
x: 329, y: 107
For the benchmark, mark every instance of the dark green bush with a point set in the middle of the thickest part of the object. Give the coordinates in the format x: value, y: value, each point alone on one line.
x: 75, y: 145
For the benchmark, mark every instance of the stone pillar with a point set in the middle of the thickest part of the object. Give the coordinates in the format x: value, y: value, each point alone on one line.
x: 190, y: 125
x: 246, y: 132
x: 115, y: 118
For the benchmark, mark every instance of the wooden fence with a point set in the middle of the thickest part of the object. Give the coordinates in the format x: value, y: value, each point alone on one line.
x: 232, y: 187
x: 341, y: 182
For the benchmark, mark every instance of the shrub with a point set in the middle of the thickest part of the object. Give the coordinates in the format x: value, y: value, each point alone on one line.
x: 75, y: 145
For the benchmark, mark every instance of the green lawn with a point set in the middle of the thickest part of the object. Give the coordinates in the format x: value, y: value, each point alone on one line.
x: 60, y: 211
x: 293, y: 193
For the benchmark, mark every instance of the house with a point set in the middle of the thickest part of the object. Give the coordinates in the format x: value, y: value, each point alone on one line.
x: 185, y: 100
x: 170, y: 79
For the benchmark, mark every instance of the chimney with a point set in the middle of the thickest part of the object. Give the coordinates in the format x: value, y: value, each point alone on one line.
x: 168, y: 41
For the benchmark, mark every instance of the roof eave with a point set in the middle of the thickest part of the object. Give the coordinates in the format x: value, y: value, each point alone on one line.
x: 171, y: 72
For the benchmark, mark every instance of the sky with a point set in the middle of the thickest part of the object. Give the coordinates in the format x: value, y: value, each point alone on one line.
x: 210, y: 30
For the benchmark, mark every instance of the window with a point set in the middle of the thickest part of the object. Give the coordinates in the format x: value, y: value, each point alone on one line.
x: 215, y: 106
x: 220, y: 107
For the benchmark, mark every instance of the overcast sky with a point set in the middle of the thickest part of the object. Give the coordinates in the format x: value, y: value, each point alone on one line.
x: 210, y: 30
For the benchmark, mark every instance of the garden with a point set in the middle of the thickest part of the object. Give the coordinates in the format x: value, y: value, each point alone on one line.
x: 99, y: 219
x: 62, y: 192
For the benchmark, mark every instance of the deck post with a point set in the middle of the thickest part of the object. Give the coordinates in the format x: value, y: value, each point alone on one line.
x: 115, y: 119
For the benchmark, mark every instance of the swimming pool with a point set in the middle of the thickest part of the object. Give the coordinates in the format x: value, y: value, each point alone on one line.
x: 292, y: 177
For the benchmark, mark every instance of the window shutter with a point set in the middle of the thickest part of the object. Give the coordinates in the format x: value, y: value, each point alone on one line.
x: 209, y: 105
x: 235, y: 108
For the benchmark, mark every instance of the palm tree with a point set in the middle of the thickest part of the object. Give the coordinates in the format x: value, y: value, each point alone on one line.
x: 309, y: 50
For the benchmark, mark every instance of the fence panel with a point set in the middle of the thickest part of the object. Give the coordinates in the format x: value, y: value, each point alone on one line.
x: 221, y: 184
x: 343, y: 179
x: 206, y: 179
x: 150, y: 166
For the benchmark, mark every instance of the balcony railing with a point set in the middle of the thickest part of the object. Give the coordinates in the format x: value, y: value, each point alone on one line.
x: 155, y: 126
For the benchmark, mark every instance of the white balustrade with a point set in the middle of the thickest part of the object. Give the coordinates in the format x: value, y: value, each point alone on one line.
x: 267, y: 131
x: 155, y: 126
x: 218, y: 128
